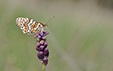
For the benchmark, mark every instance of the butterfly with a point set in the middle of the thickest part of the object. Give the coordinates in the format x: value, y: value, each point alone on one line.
x: 30, y: 26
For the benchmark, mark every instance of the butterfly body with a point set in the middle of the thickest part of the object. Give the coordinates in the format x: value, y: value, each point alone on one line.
x: 30, y: 26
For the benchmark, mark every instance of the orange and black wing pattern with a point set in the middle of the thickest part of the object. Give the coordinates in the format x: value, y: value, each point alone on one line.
x: 29, y: 26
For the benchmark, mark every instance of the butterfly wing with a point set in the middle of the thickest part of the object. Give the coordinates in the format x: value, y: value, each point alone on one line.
x: 29, y: 26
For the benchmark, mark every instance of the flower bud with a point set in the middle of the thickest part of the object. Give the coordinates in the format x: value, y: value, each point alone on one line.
x: 39, y: 36
x: 45, y: 61
x: 38, y: 48
x: 41, y: 48
x: 46, y: 33
x: 47, y: 55
x: 46, y: 51
x: 40, y: 55
x: 45, y: 44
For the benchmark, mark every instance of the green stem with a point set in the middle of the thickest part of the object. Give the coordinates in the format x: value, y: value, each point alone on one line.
x: 43, y: 67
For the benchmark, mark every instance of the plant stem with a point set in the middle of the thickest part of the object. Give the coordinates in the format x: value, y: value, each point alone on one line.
x: 43, y: 66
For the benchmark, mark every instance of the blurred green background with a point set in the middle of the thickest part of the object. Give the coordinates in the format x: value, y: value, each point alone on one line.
x: 81, y: 38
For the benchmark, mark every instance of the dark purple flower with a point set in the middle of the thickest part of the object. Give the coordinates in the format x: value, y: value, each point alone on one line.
x: 45, y: 44
x: 46, y: 33
x: 40, y: 55
x: 45, y: 61
x: 46, y: 51
x: 38, y: 49
x: 47, y: 55
x: 39, y: 36
x: 41, y: 48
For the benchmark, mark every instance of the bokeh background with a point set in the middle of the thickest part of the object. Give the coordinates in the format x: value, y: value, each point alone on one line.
x: 81, y: 38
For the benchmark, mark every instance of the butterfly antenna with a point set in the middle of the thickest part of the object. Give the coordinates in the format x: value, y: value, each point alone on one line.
x: 49, y: 21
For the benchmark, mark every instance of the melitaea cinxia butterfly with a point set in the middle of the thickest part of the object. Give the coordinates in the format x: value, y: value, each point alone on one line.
x: 29, y: 26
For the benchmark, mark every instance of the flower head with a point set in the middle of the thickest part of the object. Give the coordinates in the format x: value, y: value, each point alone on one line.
x: 41, y: 47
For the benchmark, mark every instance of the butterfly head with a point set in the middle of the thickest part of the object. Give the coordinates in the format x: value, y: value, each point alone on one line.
x: 45, y: 26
